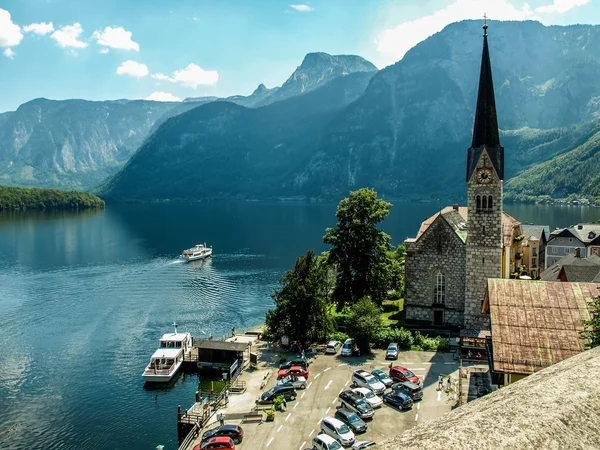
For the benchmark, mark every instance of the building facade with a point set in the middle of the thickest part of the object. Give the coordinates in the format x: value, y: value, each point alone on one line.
x: 566, y: 241
x: 534, y: 249
x: 456, y: 250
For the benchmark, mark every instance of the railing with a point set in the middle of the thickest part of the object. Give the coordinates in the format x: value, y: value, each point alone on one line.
x: 238, y: 386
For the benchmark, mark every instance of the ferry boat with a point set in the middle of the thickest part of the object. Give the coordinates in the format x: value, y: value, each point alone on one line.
x: 167, y: 359
x: 199, y: 251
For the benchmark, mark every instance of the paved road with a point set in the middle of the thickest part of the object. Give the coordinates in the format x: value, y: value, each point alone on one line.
x: 329, y: 375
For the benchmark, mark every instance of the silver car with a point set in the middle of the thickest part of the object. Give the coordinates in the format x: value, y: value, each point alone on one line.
x: 297, y: 382
x: 392, y: 351
x: 333, y: 347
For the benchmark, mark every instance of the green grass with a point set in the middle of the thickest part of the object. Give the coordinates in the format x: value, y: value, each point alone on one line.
x: 392, y: 313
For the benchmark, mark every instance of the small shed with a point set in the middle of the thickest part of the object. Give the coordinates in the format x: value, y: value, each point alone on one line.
x: 222, y: 356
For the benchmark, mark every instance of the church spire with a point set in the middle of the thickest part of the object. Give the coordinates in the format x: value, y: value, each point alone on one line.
x: 485, y: 130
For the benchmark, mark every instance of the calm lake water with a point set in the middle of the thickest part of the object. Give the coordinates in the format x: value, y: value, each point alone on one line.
x: 85, y: 297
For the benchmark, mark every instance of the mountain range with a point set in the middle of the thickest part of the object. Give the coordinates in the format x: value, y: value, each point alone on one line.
x: 338, y: 124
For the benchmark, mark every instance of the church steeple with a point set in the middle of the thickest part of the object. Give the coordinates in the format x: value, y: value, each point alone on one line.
x: 485, y: 128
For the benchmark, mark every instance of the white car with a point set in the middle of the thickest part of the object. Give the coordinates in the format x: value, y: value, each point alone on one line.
x: 297, y: 382
x: 362, y: 378
x: 333, y: 347
x: 368, y: 395
x: 326, y: 442
x: 338, y: 430
x: 361, y: 445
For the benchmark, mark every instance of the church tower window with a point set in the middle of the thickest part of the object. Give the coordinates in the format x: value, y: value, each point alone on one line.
x: 478, y: 201
x: 484, y: 203
x: 439, y: 292
x: 490, y: 203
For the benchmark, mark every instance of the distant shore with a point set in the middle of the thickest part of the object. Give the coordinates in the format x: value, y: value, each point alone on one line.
x: 36, y: 199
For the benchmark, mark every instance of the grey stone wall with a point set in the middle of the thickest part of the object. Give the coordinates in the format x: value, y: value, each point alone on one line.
x: 438, y: 249
x: 484, y: 247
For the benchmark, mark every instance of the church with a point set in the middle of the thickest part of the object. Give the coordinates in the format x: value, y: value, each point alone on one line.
x: 457, y: 249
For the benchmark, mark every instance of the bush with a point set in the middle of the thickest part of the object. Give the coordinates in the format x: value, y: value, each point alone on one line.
x: 394, y: 295
x: 337, y: 336
x: 429, y: 344
x: 402, y: 337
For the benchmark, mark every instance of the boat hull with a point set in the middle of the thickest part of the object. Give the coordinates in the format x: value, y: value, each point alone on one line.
x: 196, y: 257
x: 151, y: 377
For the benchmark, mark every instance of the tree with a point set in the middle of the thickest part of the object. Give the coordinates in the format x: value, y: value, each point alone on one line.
x: 300, y: 305
x: 364, y: 322
x: 591, y: 328
x: 359, y: 250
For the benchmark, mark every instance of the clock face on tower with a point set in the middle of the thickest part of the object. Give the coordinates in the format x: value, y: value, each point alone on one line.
x: 484, y: 176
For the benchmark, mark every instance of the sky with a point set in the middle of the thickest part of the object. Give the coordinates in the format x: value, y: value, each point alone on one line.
x: 173, y: 49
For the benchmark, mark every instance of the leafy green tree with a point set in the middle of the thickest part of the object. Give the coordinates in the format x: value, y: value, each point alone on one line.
x: 396, y: 259
x: 591, y: 328
x: 359, y: 250
x: 363, y: 323
x: 300, y: 305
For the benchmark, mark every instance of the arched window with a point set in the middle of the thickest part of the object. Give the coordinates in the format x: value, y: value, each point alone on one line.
x: 439, y: 290
x: 490, y: 202
x: 484, y: 205
x: 478, y: 202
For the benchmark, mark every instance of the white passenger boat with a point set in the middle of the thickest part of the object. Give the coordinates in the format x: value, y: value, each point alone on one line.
x: 167, y: 359
x: 199, y: 251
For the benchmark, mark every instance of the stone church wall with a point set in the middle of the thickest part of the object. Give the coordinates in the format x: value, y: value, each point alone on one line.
x: 438, y: 249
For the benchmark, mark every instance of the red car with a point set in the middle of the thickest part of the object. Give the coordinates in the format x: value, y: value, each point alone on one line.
x: 399, y: 373
x: 294, y: 371
x: 216, y: 443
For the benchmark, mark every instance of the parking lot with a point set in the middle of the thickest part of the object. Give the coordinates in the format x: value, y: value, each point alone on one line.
x: 296, y: 426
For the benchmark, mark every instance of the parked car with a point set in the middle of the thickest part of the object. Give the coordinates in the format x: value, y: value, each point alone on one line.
x: 392, y: 351
x: 338, y: 430
x: 326, y: 442
x: 399, y: 399
x: 414, y: 390
x: 216, y: 443
x: 362, y: 445
x: 235, y: 432
x: 399, y: 373
x: 287, y: 390
x: 333, y: 347
x: 294, y: 371
x: 356, y: 403
x: 298, y: 361
x: 368, y: 395
x: 297, y: 382
x: 350, y: 348
x: 351, y: 419
x: 383, y: 377
x: 362, y: 378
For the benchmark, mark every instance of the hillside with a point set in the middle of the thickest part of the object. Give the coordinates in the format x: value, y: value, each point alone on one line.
x: 406, y: 135
x: 12, y: 198
x: 72, y: 143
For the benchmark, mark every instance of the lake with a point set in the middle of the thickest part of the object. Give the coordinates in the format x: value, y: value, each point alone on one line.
x: 84, y: 298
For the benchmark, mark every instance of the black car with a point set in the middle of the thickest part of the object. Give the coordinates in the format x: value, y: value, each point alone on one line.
x: 235, y: 432
x: 399, y: 399
x: 350, y: 418
x: 287, y: 390
x: 302, y: 362
x: 356, y: 403
x: 408, y: 387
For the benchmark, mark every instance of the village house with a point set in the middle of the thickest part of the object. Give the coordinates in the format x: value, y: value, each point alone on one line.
x: 571, y: 265
x: 534, y: 249
x: 565, y: 241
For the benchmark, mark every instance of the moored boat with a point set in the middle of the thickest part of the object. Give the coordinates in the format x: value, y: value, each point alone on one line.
x: 199, y: 251
x: 167, y: 359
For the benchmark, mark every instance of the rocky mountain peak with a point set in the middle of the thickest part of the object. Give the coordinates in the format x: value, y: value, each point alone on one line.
x: 261, y: 89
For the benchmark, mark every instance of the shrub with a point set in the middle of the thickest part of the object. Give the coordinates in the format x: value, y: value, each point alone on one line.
x: 429, y: 344
x: 402, y: 337
x: 337, y: 336
x: 394, y: 295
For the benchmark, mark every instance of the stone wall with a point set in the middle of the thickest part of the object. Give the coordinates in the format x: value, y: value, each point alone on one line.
x: 438, y: 249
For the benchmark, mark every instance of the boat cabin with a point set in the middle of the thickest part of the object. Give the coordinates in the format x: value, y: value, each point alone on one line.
x: 176, y: 340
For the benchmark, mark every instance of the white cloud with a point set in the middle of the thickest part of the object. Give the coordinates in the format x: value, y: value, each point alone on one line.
x: 116, y: 38
x: 9, y: 53
x: 560, y: 6
x: 133, y: 69
x: 104, y: 51
x: 68, y: 36
x: 41, y: 28
x: 393, y: 43
x: 159, y: 96
x: 192, y: 76
x: 302, y: 8
x: 10, y: 33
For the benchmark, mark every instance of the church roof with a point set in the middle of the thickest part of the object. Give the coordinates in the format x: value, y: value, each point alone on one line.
x: 458, y: 217
x: 536, y: 323
x: 556, y: 408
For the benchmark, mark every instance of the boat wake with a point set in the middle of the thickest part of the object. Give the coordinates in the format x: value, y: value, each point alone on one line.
x: 177, y: 261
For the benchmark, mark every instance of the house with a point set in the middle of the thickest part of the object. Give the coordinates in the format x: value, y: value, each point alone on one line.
x: 534, y: 324
x: 562, y: 242
x: 572, y: 260
x: 556, y: 408
x: 535, y: 238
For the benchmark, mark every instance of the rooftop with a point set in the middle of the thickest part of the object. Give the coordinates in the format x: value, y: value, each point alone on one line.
x: 536, y: 323
x: 221, y: 345
x: 536, y: 232
x: 585, y: 274
x: 531, y: 413
x: 552, y: 272
x: 174, y: 337
x: 166, y: 353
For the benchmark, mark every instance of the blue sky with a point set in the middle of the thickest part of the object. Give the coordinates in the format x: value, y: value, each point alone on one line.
x: 161, y: 49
